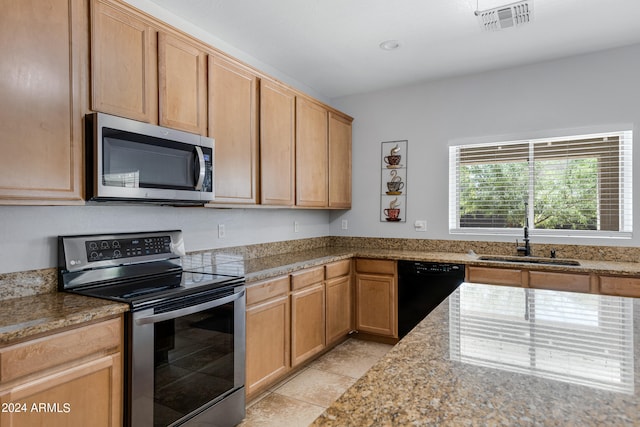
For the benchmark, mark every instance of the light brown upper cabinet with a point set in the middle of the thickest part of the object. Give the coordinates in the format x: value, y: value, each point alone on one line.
x: 233, y: 122
x: 144, y: 71
x: 43, y: 76
x: 339, y: 161
x: 124, y: 63
x: 182, y: 80
x: 277, y: 144
x: 311, y: 154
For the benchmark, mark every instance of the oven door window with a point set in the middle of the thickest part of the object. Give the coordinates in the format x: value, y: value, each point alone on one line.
x: 193, y: 362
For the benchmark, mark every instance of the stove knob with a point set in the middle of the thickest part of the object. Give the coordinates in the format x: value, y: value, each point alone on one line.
x: 93, y: 246
x: 93, y: 255
x: 115, y: 244
x: 117, y: 254
x: 104, y: 245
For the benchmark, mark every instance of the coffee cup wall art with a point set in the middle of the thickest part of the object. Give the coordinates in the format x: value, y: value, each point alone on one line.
x: 393, y: 182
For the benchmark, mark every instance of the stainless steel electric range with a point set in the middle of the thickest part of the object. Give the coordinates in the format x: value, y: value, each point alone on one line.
x: 185, y: 331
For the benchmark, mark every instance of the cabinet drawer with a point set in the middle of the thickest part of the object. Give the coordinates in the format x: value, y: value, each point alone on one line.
x: 307, y: 277
x: 40, y: 354
x: 337, y: 269
x: 559, y: 281
x: 269, y: 289
x: 495, y: 276
x: 620, y: 286
x: 376, y: 266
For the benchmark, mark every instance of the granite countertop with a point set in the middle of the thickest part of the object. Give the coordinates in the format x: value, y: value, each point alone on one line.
x: 477, y: 359
x: 28, y: 317
x: 32, y: 315
x: 267, y: 267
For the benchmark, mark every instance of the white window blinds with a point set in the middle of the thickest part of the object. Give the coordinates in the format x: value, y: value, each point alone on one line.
x: 576, y: 184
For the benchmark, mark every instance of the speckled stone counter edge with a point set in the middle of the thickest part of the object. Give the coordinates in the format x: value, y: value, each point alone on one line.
x: 28, y: 317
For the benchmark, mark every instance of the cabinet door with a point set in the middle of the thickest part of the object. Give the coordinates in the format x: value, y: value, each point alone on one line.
x: 620, y: 286
x: 311, y: 154
x: 43, y: 76
x: 376, y: 304
x: 233, y: 124
x: 77, y: 372
x: 89, y: 394
x: 338, y: 308
x: 308, y: 323
x: 268, y: 343
x: 124, y: 76
x: 277, y: 144
x: 339, y: 161
x: 495, y: 276
x: 569, y: 282
x: 182, y: 83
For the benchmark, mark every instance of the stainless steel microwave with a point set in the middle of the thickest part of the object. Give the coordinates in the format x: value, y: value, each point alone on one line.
x: 133, y: 161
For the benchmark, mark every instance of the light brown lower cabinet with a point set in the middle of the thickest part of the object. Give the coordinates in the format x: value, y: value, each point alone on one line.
x: 307, y: 323
x: 268, y: 338
x: 291, y: 319
x: 539, y: 279
x: 620, y: 286
x: 71, y: 378
x: 338, y: 300
x: 571, y: 282
x: 338, y: 308
x: 376, y: 297
x: 494, y: 276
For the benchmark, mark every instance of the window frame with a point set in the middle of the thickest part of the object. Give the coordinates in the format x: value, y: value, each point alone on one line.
x: 625, y: 188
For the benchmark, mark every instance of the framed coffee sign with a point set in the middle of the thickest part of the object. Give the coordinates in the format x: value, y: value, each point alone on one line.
x: 393, y: 183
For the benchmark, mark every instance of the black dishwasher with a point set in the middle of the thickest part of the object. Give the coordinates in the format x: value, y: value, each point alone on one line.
x: 422, y: 286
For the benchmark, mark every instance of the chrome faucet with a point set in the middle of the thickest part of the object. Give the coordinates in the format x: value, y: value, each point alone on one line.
x: 526, y: 249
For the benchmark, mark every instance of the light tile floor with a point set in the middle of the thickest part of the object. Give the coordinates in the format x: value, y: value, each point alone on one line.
x: 301, y: 398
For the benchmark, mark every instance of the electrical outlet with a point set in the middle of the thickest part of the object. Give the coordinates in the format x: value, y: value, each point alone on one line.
x: 296, y: 226
x: 345, y: 224
x: 420, y: 225
x: 221, y: 231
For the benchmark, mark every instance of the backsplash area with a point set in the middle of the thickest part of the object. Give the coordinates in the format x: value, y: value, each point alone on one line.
x: 35, y: 282
x: 585, y: 252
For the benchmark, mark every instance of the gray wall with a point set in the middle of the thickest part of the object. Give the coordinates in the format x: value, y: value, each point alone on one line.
x: 589, y: 92
x: 28, y: 233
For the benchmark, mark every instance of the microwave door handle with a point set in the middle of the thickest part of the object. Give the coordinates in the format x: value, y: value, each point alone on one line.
x: 161, y: 317
x: 200, y: 168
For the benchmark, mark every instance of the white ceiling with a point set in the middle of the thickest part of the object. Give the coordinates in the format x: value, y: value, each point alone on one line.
x: 332, y: 45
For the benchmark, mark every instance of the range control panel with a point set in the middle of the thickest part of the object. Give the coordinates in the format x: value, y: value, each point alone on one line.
x: 96, y: 251
x: 100, y: 250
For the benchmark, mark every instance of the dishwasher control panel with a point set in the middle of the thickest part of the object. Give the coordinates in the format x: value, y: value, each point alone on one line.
x: 420, y: 267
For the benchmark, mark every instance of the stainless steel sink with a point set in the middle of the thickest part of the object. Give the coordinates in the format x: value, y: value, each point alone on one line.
x: 529, y: 259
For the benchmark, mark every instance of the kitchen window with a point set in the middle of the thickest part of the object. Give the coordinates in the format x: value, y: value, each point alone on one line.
x: 578, y: 185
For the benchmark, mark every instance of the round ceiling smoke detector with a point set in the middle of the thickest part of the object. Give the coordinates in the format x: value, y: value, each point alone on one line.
x: 390, y: 45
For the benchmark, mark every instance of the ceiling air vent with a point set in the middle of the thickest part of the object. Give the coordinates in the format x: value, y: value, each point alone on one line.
x: 510, y: 15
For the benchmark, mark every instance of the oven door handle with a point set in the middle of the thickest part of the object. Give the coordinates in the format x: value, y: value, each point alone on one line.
x: 161, y: 317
